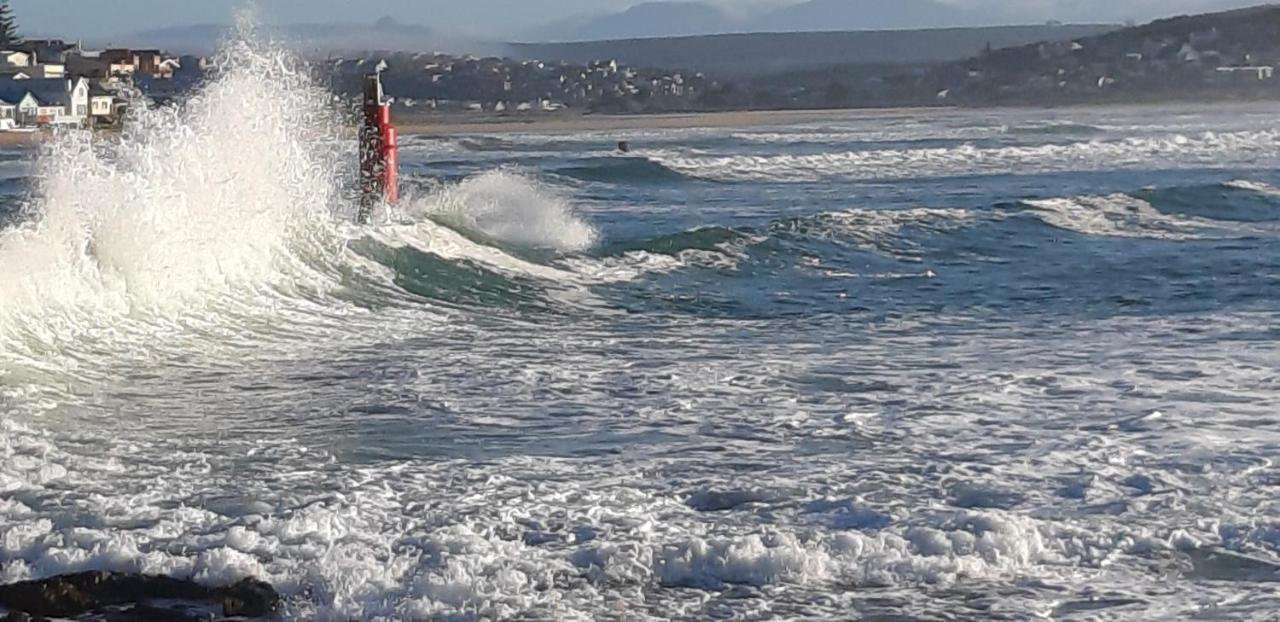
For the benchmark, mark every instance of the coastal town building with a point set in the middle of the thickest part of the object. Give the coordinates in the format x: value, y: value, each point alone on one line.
x: 55, y: 82
x: 8, y: 116
x: 13, y: 58
x: 47, y: 101
x: 51, y: 70
x: 48, y: 50
x: 99, y: 66
x: 506, y: 86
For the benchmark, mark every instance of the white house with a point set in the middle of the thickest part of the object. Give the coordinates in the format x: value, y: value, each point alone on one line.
x: 27, y: 110
x: 8, y: 115
x: 78, y: 96
x: 48, y: 100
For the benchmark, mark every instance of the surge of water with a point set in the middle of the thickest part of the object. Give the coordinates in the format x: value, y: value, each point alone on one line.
x: 508, y: 207
x: 795, y: 417
x: 232, y: 190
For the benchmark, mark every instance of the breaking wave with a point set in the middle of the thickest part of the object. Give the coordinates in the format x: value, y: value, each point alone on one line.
x: 233, y: 204
x: 232, y: 193
x: 509, y: 208
x: 1117, y: 215
x: 1245, y: 148
x: 1257, y: 187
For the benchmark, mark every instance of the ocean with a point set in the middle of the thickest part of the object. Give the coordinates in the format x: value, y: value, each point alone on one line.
x: 940, y: 365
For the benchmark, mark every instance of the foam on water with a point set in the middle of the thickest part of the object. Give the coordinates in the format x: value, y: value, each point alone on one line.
x: 1245, y: 148
x: 511, y: 208
x: 1116, y: 215
x: 183, y: 390
x: 1253, y: 186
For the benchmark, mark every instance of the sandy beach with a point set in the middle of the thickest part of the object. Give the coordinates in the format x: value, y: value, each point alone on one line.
x: 17, y: 139
x: 446, y: 125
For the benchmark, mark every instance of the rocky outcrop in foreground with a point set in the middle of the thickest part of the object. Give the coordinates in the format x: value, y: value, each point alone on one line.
x: 117, y: 597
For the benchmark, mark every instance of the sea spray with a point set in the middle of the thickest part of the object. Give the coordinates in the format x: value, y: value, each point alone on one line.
x: 232, y: 190
x: 509, y: 207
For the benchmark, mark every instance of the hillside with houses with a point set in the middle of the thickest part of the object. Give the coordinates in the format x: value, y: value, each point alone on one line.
x: 60, y: 83
x: 439, y: 83
x: 1230, y: 55
x: 1227, y: 55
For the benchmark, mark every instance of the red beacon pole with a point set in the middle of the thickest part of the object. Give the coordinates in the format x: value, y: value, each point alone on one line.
x: 379, y: 151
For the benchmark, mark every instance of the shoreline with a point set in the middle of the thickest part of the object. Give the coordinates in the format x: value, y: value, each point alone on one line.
x: 22, y: 139
x: 567, y: 123
x: 462, y: 124
x: 453, y: 125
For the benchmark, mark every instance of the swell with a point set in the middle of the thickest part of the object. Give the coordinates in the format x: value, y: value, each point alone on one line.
x: 1057, y: 129
x: 1244, y: 149
x: 623, y: 170
x: 1234, y: 201
x: 454, y: 282
x: 1171, y: 214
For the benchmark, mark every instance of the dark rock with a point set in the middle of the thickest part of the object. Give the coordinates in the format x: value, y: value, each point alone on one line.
x: 149, y: 613
x: 250, y: 598
x: 94, y: 592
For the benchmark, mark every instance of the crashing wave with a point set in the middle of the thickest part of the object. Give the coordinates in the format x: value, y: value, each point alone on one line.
x: 1219, y: 149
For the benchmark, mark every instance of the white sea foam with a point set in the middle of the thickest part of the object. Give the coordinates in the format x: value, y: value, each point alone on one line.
x: 393, y: 464
x: 1246, y: 148
x: 870, y: 134
x: 513, y: 536
x: 881, y: 230
x: 1253, y: 186
x: 447, y: 243
x: 1117, y: 215
x: 230, y: 192
x: 510, y: 208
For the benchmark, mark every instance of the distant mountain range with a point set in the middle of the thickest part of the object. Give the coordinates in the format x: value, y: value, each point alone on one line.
x: 680, y: 18
x: 671, y: 18
x: 385, y: 34
x: 675, y: 18
x: 754, y: 54
x: 819, y: 15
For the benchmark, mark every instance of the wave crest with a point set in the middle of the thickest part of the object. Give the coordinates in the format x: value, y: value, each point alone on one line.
x: 510, y: 208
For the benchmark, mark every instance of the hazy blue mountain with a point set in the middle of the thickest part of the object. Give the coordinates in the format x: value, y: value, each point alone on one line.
x: 748, y: 55
x: 385, y: 34
x: 651, y: 19
x: 818, y: 15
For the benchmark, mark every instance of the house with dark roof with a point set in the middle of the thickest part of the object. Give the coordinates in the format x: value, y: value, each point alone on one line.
x: 21, y: 111
x: 48, y: 50
x: 47, y: 101
x: 51, y: 70
x: 104, y: 107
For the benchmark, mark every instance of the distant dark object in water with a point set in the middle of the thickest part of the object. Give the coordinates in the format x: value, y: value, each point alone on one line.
x: 624, y: 146
x: 132, y: 597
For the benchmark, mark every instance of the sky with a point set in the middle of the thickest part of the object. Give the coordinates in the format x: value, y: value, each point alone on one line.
x: 85, y: 19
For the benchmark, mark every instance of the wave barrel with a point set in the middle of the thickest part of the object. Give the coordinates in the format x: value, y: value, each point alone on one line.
x: 379, y: 151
